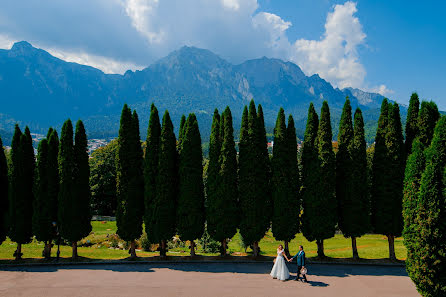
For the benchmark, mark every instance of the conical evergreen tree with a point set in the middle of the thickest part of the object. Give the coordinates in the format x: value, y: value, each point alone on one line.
x: 53, y: 181
x: 4, y: 187
x: 255, y: 202
x: 226, y: 203
x: 190, y: 210
x: 151, y: 159
x: 360, y: 206
x: 81, y: 181
x: 346, y: 197
x: 164, y: 205
x: 42, y: 218
x: 326, y: 197
x: 412, y: 180
x: 412, y: 122
x: 66, y: 198
x: 429, y: 257
x: 310, y: 175
x: 212, y: 179
x: 130, y: 182
x: 427, y: 119
x: 284, y: 192
x: 21, y: 194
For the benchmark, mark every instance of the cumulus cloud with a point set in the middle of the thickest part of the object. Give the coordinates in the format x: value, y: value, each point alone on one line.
x: 117, y: 34
x: 335, y: 57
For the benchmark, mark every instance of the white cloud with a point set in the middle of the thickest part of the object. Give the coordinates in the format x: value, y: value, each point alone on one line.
x: 335, y: 57
x: 106, y: 64
x: 117, y: 34
x: 381, y: 89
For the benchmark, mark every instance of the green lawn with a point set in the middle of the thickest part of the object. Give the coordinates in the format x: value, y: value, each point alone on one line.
x: 103, y: 243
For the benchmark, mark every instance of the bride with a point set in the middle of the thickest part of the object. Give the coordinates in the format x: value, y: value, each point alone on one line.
x: 280, y: 270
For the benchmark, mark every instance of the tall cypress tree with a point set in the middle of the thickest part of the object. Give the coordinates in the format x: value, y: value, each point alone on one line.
x: 164, y: 204
x: 427, y: 119
x: 326, y: 194
x: 212, y: 180
x: 285, y: 201
x: 360, y: 204
x: 412, y: 122
x: 21, y: 194
x: 42, y: 216
x: 255, y: 202
x: 130, y: 182
x: 190, y: 210
x: 53, y: 179
x: 4, y: 187
x: 151, y: 159
x: 429, y: 257
x: 226, y: 203
x: 66, y: 198
x: 81, y: 182
x: 310, y: 175
x: 412, y: 180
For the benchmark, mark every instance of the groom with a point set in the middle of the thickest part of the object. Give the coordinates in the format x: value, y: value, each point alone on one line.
x: 300, y: 262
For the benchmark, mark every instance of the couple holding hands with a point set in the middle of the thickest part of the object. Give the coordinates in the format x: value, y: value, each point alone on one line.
x: 280, y: 270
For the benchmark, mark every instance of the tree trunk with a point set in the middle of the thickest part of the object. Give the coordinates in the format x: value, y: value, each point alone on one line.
x: 74, y: 247
x: 18, y: 252
x: 391, y: 240
x: 163, y: 248
x: 223, y: 247
x: 47, y: 250
x: 192, y: 248
x: 320, y: 248
x: 355, y: 249
x: 287, y: 250
x: 132, y: 249
x: 256, y: 249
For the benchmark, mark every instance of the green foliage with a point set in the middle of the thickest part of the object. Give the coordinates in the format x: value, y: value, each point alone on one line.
x: 21, y: 180
x: 310, y: 175
x: 66, y: 218
x: 427, y: 119
x: 190, y: 210
x: 151, y: 159
x: 414, y: 170
x: 129, y: 178
x: 326, y: 192
x: 254, y: 173
x: 208, y: 244
x: 428, y: 258
x: 285, y: 219
x: 223, y: 208
x: 212, y: 177
x: 53, y: 174
x: 360, y: 206
x: 344, y: 173
x: 42, y: 218
x: 4, y: 186
x: 412, y: 122
x: 81, y: 176
x: 103, y: 179
x: 164, y: 204
x: 182, y: 130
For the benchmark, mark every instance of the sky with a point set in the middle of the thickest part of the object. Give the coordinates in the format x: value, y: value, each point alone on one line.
x: 390, y: 47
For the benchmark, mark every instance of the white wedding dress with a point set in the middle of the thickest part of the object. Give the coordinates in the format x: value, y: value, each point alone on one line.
x: 280, y: 270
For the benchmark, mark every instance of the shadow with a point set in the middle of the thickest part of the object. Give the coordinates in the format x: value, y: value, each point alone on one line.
x: 231, y: 264
x: 317, y: 284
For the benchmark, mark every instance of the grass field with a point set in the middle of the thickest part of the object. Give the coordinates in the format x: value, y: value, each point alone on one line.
x: 104, y: 246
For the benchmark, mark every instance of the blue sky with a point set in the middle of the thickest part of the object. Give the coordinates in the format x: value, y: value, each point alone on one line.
x: 392, y: 47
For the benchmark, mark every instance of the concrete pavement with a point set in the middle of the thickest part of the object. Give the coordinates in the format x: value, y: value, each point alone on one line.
x: 202, y: 279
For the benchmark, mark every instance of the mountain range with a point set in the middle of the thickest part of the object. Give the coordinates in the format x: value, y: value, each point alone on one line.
x: 40, y: 90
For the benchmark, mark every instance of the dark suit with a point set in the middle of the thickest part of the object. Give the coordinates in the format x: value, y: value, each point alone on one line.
x: 300, y: 263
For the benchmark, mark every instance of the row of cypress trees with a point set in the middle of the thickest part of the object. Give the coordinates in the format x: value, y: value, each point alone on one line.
x: 49, y: 196
x: 424, y: 200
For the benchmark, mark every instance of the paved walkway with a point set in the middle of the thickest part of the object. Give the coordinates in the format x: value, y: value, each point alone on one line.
x: 216, y: 279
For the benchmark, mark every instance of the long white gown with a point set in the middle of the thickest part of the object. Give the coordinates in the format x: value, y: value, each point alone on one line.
x: 280, y: 270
